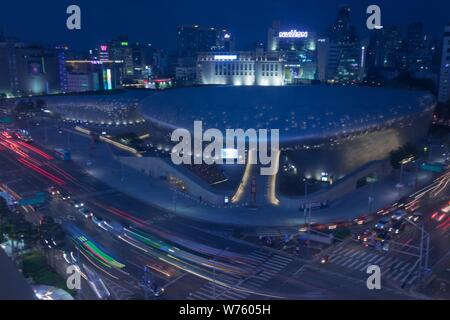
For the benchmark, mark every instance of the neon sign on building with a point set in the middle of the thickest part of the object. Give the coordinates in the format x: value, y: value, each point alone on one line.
x: 225, y: 57
x: 293, y: 34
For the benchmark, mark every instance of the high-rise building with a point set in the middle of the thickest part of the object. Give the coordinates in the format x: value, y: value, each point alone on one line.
x: 298, y: 49
x: 384, y: 48
x: 342, y: 30
x: 192, y: 39
x: 35, y: 70
x: 414, y: 41
x: 8, y: 74
x: 345, y: 51
x: 121, y: 50
x: 444, y: 77
x: 93, y: 75
x: 103, y: 52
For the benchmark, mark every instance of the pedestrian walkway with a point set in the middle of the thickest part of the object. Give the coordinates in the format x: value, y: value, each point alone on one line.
x: 397, y: 270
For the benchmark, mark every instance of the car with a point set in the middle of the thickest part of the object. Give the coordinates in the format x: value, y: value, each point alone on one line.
x: 397, y: 227
x: 85, y: 212
x: 59, y: 194
x: 99, y: 222
x: 64, y: 195
x: 383, y: 237
x: 383, y: 223
x: 325, y: 259
x: 360, y: 220
x: 398, y: 215
x: 76, y: 203
x: 415, y: 216
x: 6, y: 134
x: 53, y: 192
x: 157, y: 291
x: 364, y: 236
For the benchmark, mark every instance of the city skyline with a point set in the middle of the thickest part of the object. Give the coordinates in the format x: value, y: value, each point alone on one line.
x: 156, y: 23
x: 225, y: 151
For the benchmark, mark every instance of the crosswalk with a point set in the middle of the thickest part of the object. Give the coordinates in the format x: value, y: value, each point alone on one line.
x: 392, y: 267
x: 265, y: 266
x: 118, y: 291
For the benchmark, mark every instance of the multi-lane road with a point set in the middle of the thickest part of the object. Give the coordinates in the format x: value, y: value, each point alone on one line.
x: 182, y: 256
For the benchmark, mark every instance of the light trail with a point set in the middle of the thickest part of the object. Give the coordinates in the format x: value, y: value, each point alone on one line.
x: 35, y: 150
x: 41, y: 171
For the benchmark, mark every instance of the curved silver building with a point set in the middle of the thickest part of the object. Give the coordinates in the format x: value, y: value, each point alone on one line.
x: 325, y: 129
x: 113, y: 108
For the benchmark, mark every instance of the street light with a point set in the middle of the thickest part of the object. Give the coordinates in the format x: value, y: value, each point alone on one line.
x: 307, y: 213
x: 424, y: 242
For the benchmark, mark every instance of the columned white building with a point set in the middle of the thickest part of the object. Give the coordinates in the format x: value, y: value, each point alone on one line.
x: 240, y: 68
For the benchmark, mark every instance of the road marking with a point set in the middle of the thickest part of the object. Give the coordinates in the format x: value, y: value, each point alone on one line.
x: 335, y: 251
x: 339, y: 260
x: 277, y: 257
x: 399, y: 264
x: 398, y: 276
x: 346, y: 262
x: 378, y: 260
x: 405, y: 266
x: 360, y: 265
x: 271, y: 267
x: 412, y: 280
x: 352, y: 264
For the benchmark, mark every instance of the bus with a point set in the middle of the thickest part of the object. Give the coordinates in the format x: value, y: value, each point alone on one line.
x: 433, y: 167
x: 63, y: 154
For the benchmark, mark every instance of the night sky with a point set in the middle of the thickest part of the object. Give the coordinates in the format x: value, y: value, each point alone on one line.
x: 155, y: 21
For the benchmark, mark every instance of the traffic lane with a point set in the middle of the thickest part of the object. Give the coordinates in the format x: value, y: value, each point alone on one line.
x: 157, y: 216
x: 117, y: 248
x: 19, y: 178
x: 73, y: 184
x: 175, y: 225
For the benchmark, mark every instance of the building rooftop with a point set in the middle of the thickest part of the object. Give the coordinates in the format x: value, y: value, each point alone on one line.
x: 300, y: 112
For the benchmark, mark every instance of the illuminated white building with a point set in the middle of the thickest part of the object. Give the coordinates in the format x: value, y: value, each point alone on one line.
x: 240, y: 68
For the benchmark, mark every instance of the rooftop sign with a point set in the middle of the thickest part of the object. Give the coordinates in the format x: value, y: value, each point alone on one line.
x: 225, y: 57
x: 293, y: 34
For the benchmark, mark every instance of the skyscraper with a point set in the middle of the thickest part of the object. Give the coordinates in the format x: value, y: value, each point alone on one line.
x: 347, y: 48
x: 192, y: 39
x: 342, y: 31
x: 444, y: 80
x: 120, y: 50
